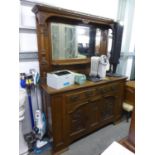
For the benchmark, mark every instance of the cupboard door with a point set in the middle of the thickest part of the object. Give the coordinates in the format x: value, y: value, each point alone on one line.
x: 108, y: 107
x: 93, y: 113
x: 78, y: 120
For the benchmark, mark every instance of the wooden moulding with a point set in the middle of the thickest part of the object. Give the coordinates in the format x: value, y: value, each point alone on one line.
x: 70, y: 61
x: 86, y: 18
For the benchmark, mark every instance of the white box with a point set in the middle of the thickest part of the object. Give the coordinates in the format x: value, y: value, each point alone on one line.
x: 60, y: 79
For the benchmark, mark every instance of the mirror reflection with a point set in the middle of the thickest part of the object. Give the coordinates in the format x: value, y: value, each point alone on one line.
x: 98, y: 41
x: 69, y: 41
x: 74, y: 42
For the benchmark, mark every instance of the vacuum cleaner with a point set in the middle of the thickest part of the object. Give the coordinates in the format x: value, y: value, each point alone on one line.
x: 26, y: 81
x: 36, y: 140
x: 42, y: 143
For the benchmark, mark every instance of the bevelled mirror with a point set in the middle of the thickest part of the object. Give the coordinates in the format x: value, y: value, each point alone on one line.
x: 74, y: 41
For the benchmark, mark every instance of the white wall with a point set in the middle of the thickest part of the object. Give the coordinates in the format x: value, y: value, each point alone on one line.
x: 104, y: 8
x: 24, y: 67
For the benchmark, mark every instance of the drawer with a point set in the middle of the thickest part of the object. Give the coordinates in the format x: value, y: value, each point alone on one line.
x: 81, y: 95
x: 108, y: 88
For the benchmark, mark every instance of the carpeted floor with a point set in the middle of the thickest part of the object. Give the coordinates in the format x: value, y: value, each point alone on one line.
x: 98, y: 141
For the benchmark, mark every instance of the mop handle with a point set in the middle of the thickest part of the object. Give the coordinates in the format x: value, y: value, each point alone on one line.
x: 36, y: 94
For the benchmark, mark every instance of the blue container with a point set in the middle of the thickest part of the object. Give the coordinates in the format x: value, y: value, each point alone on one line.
x: 80, y: 78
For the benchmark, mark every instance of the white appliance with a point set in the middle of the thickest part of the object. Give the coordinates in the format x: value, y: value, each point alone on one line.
x: 60, y: 79
x: 98, y: 66
x: 23, y: 148
x: 40, y: 123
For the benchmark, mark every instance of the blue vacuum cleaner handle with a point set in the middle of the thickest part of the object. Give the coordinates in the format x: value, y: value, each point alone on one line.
x: 31, y: 111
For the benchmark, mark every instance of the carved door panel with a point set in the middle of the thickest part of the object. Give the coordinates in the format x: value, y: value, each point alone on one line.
x: 78, y: 120
x: 108, y: 107
x: 94, y: 111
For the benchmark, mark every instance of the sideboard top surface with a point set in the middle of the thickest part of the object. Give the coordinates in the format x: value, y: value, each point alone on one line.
x: 87, y: 84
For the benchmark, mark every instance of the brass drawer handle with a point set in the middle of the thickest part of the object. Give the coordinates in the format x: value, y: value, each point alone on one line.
x: 103, y: 90
x: 113, y: 88
x: 74, y: 98
x: 109, y: 88
x: 98, y: 90
x: 88, y: 93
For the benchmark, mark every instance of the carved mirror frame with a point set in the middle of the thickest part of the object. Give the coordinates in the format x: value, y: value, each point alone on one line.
x: 44, y: 14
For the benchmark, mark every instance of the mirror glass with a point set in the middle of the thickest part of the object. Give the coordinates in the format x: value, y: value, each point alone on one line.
x: 109, y: 40
x: 73, y: 42
x: 97, y: 41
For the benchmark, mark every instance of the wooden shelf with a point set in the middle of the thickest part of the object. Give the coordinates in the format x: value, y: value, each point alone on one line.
x: 71, y: 61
